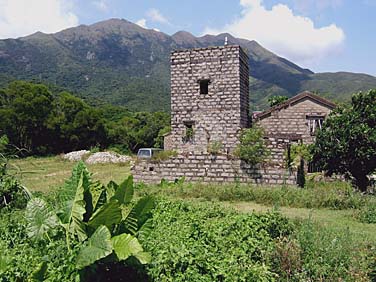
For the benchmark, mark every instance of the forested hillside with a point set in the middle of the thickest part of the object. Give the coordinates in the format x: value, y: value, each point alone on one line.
x: 121, y: 63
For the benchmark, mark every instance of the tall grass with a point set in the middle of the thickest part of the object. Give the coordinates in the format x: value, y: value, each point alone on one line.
x: 333, y: 195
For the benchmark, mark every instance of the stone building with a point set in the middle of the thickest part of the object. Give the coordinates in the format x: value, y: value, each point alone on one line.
x: 297, y: 119
x: 209, y: 98
x: 210, y: 105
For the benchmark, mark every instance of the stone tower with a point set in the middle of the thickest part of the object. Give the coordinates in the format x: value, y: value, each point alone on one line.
x: 209, y: 98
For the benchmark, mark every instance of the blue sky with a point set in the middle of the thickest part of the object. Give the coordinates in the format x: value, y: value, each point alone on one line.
x: 323, y: 35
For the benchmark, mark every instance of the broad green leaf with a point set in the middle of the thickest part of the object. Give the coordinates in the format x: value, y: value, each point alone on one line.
x: 143, y: 257
x: 40, y: 273
x: 76, y: 211
x: 145, y: 230
x: 124, y: 193
x: 97, y: 191
x: 125, y: 245
x: 40, y: 218
x: 111, y: 188
x: 139, y: 214
x: 108, y: 215
x: 98, y: 246
x: 72, y: 202
x: 142, y: 210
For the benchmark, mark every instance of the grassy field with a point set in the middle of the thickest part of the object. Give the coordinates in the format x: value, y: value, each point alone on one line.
x: 45, y: 174
x: 218, y: 231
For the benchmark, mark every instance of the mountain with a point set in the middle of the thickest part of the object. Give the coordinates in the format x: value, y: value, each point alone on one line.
x: 122, y: 63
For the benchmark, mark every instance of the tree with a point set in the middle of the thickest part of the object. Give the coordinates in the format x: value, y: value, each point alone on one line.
x: 75, y: 124
x: 347, y: 142
x: 276, y: 100
x: 24, y: 109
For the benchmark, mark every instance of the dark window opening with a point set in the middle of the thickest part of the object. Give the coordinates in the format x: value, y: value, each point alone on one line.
x: 204, y: 86
x: 189, y: 132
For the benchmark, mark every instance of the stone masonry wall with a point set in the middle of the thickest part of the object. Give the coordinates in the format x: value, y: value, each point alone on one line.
x: 293, y: 120
x: 209, y: 168
x: 218, y: 115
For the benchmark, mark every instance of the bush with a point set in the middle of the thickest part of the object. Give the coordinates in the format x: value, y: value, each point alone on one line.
x: 368, y: 214
x: 12, y: 194
x: 252, y: 148
x: 206, y: 243
x: 163, y: 155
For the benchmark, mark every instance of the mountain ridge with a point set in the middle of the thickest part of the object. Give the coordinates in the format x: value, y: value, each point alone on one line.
x: 119, y: 62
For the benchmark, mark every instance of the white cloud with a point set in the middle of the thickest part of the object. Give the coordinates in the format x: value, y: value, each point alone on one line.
x: 23, y: 17
x: 156, y: 16
x: 101, y: 5
x: 280, y: 30
x: 142, y: 23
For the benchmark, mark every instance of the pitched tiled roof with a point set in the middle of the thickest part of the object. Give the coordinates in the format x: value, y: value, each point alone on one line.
x: 294, y: 100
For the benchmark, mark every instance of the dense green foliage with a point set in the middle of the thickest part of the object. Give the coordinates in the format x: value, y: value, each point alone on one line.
x: 204, y: 242
x: 276, y: 100
x: 347, y: 142
x: 12, y: 194
x: 96, y: 228
x: 42, y: 123
x: 252, y: 148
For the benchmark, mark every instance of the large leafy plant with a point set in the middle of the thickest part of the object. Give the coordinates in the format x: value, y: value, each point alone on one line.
x: 101, y: 221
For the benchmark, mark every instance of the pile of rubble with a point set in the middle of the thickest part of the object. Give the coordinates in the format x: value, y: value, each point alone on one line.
x: 107, y: 157
x: 97, y: 158
x: 76, y: 155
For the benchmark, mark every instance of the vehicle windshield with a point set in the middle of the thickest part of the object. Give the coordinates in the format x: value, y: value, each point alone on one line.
x: 143, y: 153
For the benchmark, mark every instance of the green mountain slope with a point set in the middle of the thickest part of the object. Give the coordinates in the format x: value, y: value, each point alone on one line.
x: 122, y: 63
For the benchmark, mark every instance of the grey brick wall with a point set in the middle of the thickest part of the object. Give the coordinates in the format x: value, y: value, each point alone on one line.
x: 209, y: 168
x: 218, y: 115
x: 292, y: 120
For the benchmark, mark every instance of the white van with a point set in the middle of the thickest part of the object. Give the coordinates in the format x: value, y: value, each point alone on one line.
x: 147, y: 153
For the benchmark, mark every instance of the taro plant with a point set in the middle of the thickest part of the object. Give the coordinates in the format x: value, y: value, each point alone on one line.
x: 101, y: 221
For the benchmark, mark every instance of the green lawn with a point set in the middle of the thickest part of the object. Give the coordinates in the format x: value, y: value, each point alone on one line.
x: 46, y: 174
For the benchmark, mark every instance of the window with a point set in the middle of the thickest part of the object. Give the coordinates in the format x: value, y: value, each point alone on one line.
x: 204, y: 86
x: 189, y: 132
x: 314, y: 123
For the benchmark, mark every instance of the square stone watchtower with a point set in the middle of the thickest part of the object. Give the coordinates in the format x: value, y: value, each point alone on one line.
x: 209, y: 98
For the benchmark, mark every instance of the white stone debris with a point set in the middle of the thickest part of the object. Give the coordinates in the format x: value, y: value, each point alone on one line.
x: 76, y: 155
x: 107, y: 157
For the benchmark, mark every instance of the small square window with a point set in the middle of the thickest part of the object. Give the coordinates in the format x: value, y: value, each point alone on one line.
x: 204, y: 86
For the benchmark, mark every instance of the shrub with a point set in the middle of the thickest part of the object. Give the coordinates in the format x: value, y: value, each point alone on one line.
x: 12, y: 194
x: 368, y: 214
x: 203, y: 242
x: 252, y: 148
x: 163, y: 155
